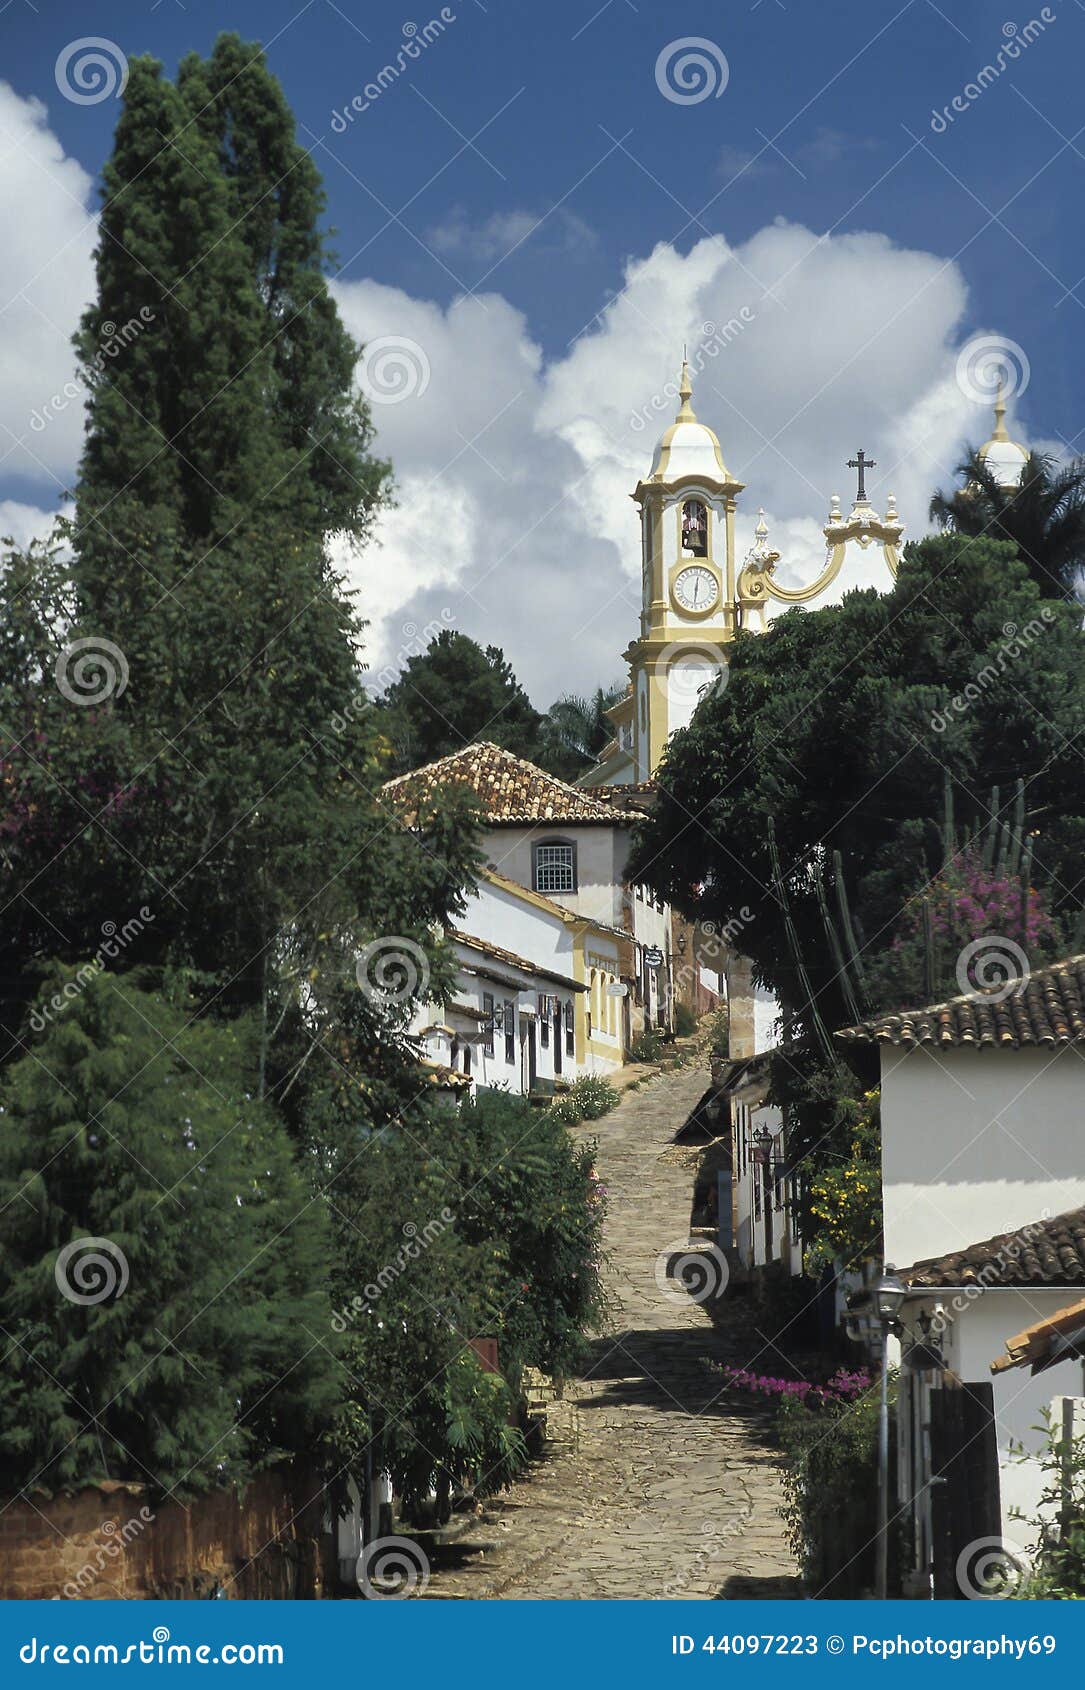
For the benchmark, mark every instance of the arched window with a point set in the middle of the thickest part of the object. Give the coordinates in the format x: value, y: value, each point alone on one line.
x: 695, y: 528
x: 554, y: 866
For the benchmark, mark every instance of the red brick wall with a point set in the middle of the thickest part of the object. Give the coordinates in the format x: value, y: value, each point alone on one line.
x: 113, y: 1541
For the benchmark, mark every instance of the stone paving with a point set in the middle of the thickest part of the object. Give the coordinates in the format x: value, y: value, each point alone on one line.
x: 660, y: 1488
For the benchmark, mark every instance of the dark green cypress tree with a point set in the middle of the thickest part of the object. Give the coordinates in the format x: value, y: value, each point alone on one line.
x: 176, y: 1347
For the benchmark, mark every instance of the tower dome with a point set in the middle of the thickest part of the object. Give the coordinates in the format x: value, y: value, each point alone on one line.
x: 1005, y: 458
x: 688, y: 447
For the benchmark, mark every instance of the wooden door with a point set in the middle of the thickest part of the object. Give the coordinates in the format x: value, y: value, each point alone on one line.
x: 966, y: 1504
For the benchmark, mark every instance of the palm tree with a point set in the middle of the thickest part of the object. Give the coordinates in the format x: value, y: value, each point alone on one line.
x: 578, y: 727
x: 1043, y: 515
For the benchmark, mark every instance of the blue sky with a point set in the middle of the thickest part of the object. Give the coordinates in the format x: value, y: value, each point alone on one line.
x: 527, y: 158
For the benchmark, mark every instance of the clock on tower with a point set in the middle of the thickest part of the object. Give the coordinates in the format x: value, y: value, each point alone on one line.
x: 687, y: 504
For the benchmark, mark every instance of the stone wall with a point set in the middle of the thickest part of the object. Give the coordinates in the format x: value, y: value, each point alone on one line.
x: 114, y: 1540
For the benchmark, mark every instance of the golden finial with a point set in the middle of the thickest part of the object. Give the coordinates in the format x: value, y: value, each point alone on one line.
x: 685, y: 393
x: 1000, y: 413
x: 762, y: 527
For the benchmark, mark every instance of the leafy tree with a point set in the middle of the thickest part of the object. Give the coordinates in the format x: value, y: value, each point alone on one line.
x: 805, y: 808
x: 453, y: 694
x: 963, y: 675
x: 577, y: 729
x: 1043, y: 516
x: 225, y: 779
x: 178, y: 1346
x: 530, y: 1188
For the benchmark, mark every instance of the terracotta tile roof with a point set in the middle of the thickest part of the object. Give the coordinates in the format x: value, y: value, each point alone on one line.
x: 1048, y: 1010
x: 441, y: 1075
x: 499, y: 954
x: 508, y: 789
x: 1046, y: 1342
x: 1047, y: 1252
x: 636, y: 798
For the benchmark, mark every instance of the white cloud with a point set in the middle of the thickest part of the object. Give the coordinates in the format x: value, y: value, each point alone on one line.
x: 24, y: 523
x: 501, y: 234
x: 514, y: 473
x: 46, y: 278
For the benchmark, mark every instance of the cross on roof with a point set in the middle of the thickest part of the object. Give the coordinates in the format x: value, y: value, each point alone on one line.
x: 862, y: 463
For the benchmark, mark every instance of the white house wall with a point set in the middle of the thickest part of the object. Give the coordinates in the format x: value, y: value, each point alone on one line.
x: 976, y: 1334
x: 976, y: 1143
x: 601, y: 854
x: 516, y: 925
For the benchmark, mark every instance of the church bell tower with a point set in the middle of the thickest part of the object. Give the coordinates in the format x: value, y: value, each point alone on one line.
x: 687, y: 517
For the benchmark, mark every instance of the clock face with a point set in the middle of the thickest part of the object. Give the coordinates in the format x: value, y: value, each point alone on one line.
x: 696, y: 589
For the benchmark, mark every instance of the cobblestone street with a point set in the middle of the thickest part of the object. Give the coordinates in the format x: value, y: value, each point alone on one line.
x: 657, y: 1490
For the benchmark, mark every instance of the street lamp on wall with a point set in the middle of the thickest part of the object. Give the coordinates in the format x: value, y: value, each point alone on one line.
x: 889, y: 1295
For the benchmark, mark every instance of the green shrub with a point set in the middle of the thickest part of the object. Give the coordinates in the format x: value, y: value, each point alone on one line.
x: 647, y: 1046
x: 719, y: 1032
x: 685, y: 1020
x: 1058, y: 1528
x: 594, y: 1096
x: 586, y: 1100
x: 831, y: 1487
x: 533, y: 1201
